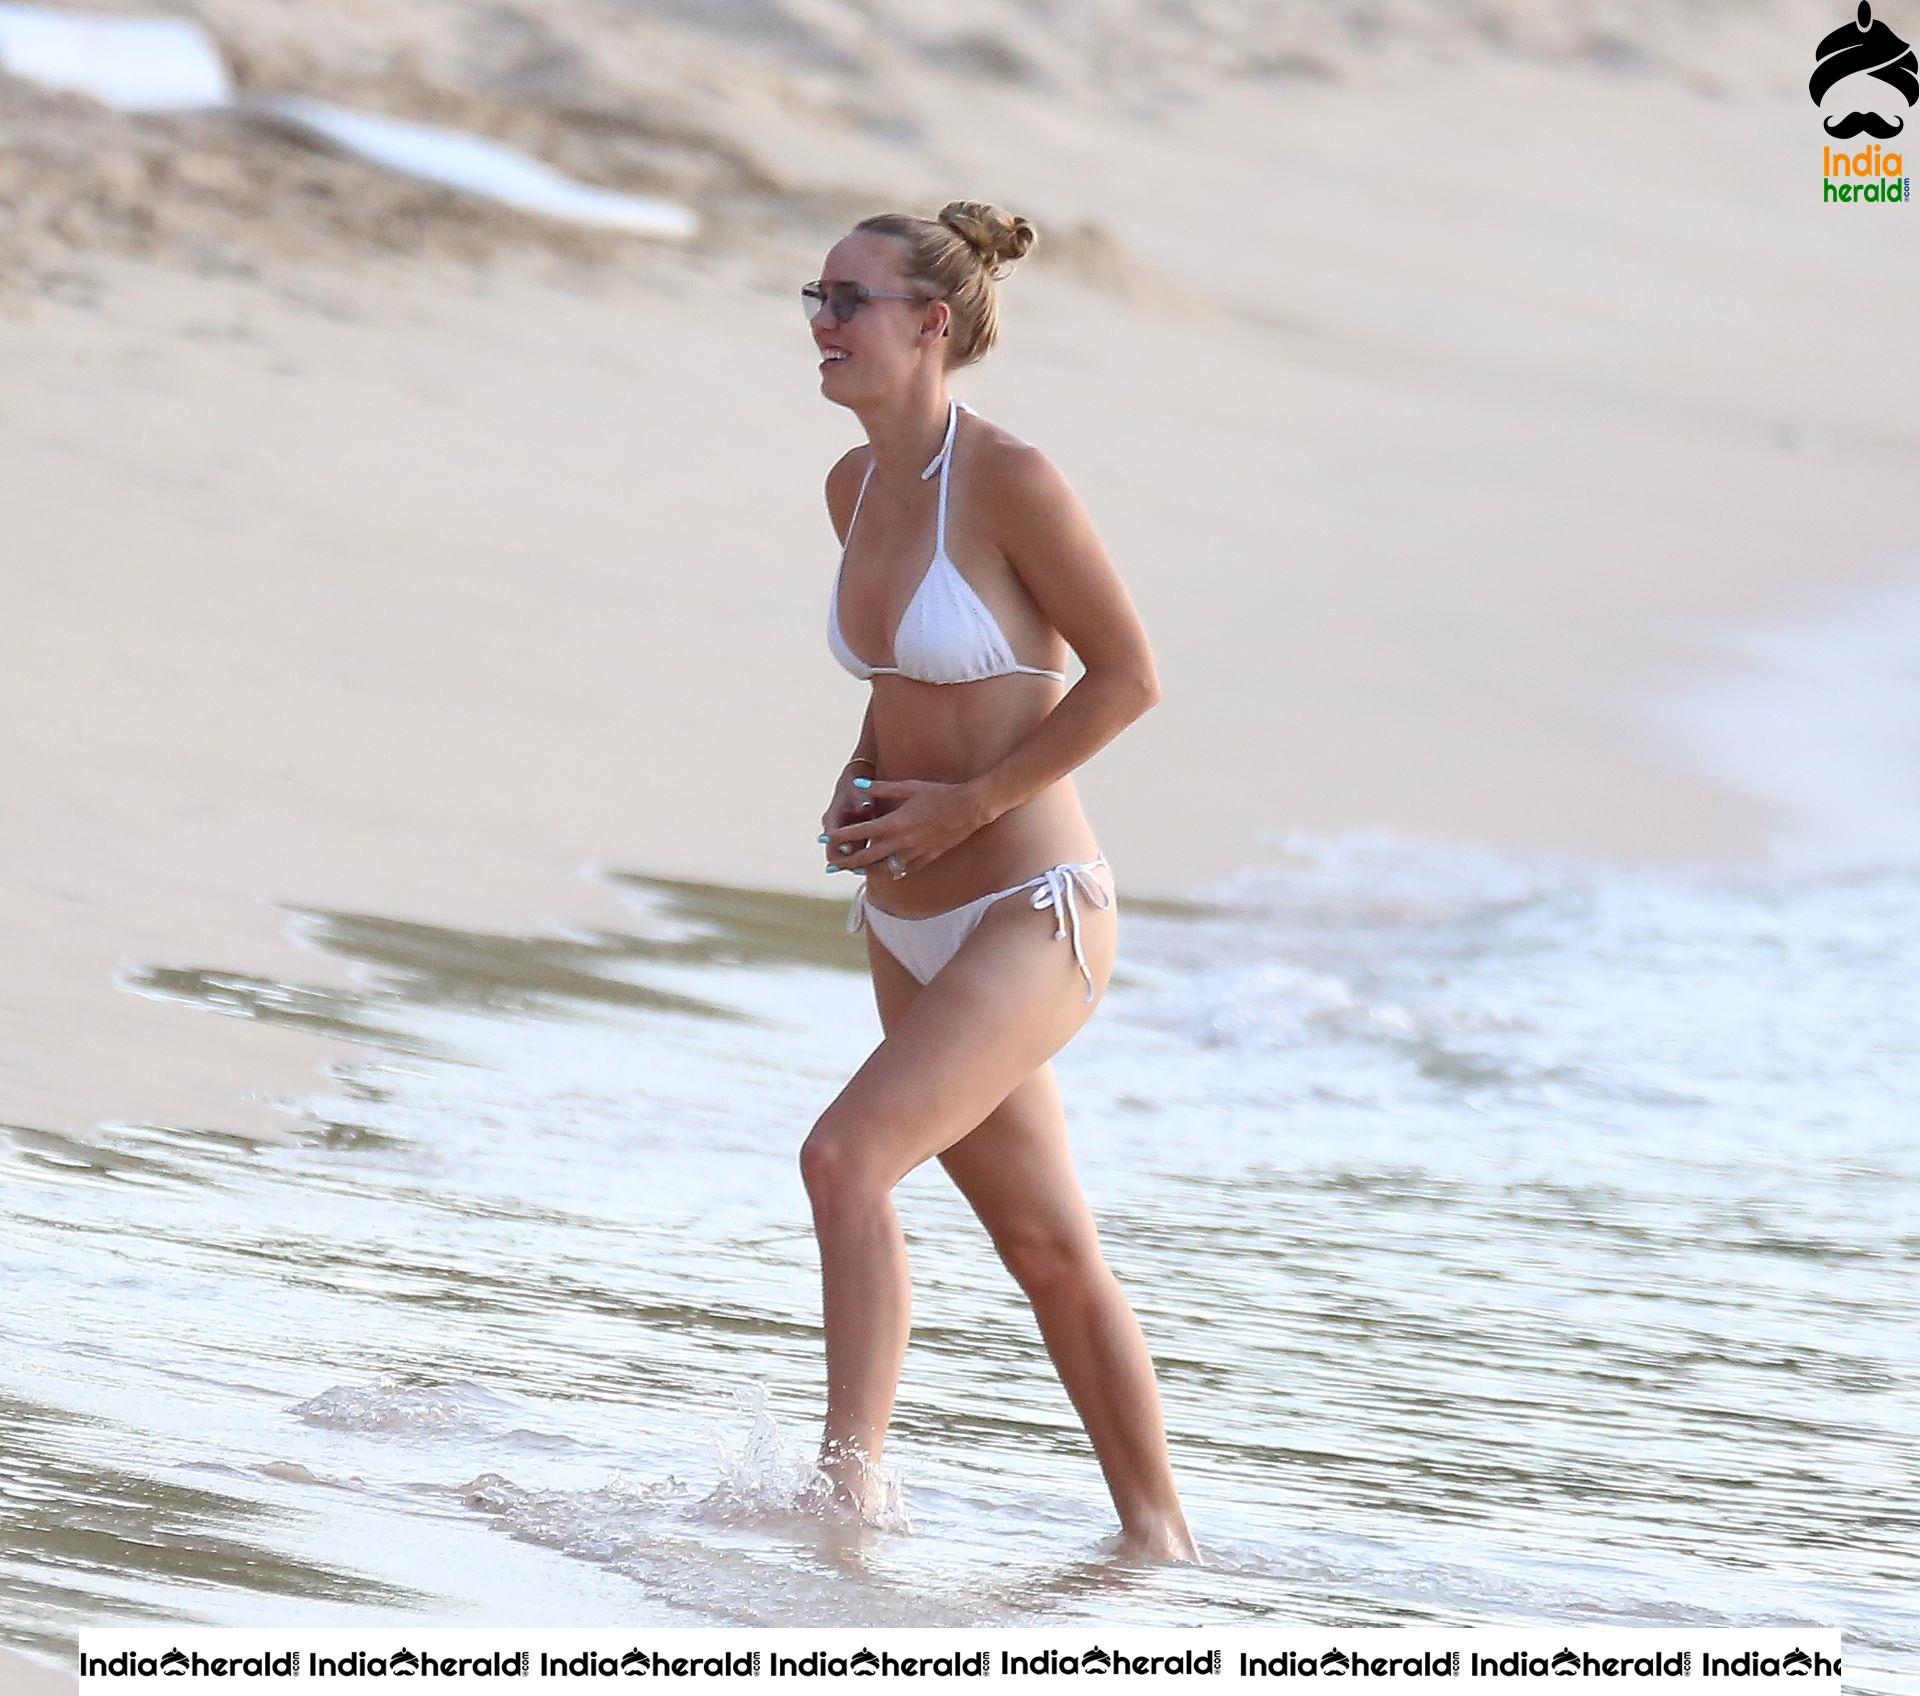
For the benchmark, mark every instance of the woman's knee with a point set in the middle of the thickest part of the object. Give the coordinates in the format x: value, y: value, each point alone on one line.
x: 834, y: 1167
x: 1052, y: 1264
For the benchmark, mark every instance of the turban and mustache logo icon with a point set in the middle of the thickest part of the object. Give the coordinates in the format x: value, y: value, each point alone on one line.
x: 1866, y: 48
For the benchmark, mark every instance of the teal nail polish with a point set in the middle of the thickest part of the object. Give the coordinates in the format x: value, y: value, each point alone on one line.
x: 833, y: 868
x: 822, y: 836
x: 863, y: 783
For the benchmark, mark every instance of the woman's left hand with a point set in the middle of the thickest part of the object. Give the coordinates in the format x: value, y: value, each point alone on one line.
x: 927, y: 819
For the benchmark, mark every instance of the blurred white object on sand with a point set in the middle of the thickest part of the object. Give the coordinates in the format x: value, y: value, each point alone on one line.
x: 172, y: 65
x: 470, y: 162
x: 136, y: 64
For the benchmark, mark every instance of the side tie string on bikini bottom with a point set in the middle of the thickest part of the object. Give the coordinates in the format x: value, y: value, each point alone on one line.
x: 1057, y: 891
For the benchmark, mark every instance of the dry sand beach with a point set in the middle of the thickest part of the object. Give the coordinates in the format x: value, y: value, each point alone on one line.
x: 1439, y: 377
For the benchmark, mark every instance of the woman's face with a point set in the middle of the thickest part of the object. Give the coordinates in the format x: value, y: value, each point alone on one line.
x: 884, y: 340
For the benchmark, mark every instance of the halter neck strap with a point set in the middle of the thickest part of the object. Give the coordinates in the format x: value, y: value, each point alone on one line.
x: 954, y: 407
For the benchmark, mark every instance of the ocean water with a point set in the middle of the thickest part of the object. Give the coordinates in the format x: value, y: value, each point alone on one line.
x: 1519, y: 1241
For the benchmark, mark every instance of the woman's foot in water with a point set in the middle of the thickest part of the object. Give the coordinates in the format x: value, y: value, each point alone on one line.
x: 850, y: 1486
x: 864, y: 1505
x: 1158, y: 1539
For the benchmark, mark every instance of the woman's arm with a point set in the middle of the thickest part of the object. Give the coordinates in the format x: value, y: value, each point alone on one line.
x: 1090, y: 715
x: 867, y: 747
x: 1058, y: 555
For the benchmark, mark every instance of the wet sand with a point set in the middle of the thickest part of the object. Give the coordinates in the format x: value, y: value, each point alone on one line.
x: 22, y: 1677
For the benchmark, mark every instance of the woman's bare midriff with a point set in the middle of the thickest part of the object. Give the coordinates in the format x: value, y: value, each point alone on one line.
x: 948, y: 733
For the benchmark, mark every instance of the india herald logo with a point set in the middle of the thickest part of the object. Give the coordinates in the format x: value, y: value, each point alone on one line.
x: 1867, y: 71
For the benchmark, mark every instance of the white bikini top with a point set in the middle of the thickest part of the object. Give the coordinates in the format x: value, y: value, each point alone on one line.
x: 947, y: 634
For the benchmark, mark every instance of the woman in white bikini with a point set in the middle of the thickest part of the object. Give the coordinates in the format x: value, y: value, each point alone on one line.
x: 959, y: 796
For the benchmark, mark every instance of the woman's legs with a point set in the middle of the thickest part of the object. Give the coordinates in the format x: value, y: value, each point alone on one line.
x: 868, y: 1293
x: 1011, y: 1160
x: 954, y: 1049
x: 1017, y: 1171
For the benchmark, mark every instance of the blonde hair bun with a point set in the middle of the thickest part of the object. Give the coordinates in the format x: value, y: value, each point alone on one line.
x: 997, y: 235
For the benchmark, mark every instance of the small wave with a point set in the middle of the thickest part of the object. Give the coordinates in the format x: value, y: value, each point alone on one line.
x: 396, y: 1406
x: 611, y: 1522
x: 765, y: 1479
x: 1388, y: 972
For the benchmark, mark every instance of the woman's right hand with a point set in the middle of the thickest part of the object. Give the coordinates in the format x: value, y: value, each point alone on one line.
x: 848, y: 803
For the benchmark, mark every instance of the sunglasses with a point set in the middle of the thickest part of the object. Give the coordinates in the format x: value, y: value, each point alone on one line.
x: 843, y: 300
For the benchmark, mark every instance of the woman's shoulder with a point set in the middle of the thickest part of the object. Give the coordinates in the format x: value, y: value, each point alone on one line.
x: 1009, y: 469
x: 847, y: 468
x: 843, y: 484
x: 994, y: 439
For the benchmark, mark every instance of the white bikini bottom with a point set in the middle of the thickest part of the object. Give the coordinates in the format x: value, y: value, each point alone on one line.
x: 925, y: 944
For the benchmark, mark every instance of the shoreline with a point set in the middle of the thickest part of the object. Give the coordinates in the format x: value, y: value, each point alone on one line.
x: 1809, y: 705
